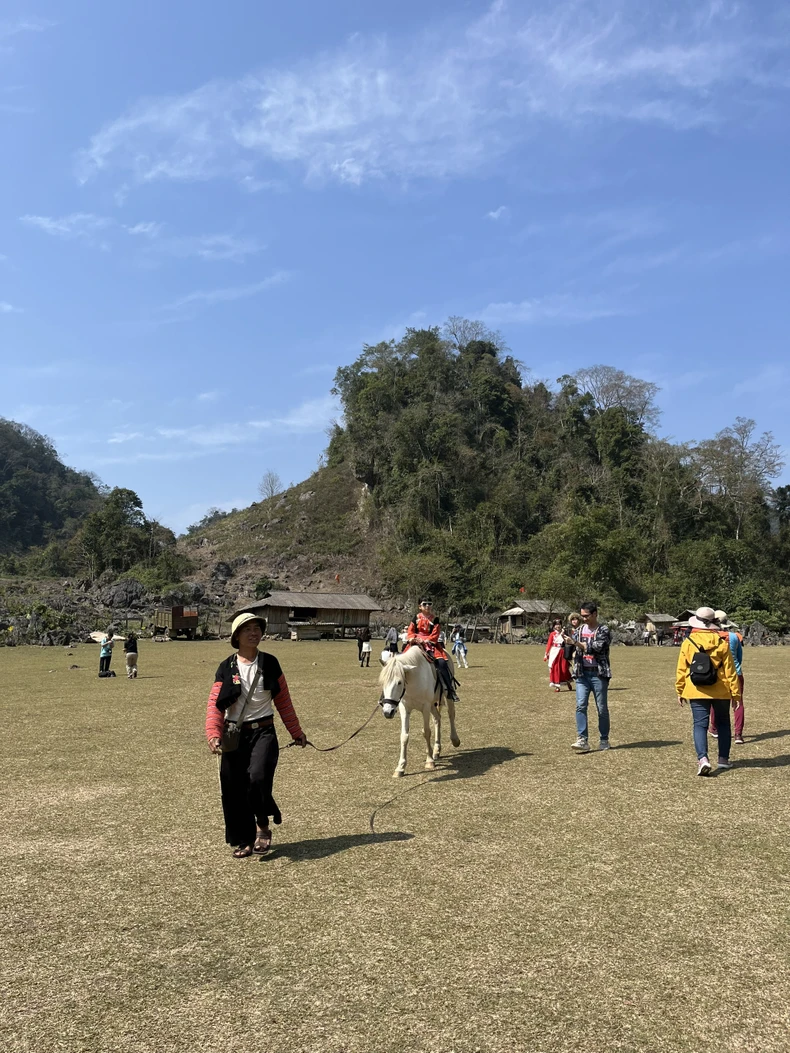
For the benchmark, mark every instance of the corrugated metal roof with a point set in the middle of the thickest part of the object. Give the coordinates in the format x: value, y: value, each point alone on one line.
x: 327, y: 601
x: 537, y: 607
x: 659, y: 617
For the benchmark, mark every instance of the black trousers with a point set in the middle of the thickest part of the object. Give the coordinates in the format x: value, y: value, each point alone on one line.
x: 104, y: 663
x: 246, y: 777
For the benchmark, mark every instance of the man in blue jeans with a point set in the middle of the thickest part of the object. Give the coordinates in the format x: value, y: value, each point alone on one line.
x: 592, y: 673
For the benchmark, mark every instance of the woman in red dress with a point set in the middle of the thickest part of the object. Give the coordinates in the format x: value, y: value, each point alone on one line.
x: 559, y: 670
x: 424, y: 630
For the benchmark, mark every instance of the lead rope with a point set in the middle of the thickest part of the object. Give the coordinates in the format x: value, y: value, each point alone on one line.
x: 329, y: 749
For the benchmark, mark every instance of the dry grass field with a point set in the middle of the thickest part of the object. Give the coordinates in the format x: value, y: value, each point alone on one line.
x: 520, y: 898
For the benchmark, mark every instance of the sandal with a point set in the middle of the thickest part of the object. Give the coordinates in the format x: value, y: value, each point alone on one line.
x: 242, y: 851
x: 263, y: 841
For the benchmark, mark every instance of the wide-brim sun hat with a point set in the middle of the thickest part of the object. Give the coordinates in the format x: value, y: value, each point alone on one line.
x: 703, y: 618
x: 723, y: 619
x: 242, y: 619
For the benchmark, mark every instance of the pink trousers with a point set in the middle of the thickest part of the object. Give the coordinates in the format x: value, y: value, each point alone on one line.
x: 738, y: 716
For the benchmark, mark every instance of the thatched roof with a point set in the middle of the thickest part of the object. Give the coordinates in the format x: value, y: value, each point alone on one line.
x: 326, y: 601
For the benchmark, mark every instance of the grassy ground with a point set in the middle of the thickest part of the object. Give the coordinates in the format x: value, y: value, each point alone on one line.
x: 521, y: 898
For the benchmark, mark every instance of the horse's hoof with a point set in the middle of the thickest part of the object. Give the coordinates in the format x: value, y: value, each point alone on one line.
x: 430, y: 766
x: 397, y: 774
x: 456, y: 741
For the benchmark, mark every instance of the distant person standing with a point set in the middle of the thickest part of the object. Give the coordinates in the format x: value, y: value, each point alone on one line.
x: 130, y: 649
x: 391, y: 640
x: 365, y: 647
x: 459, y: 647
x: 735, y: 640
x: 592, y: 672
x: 559, y: 672
x: 706, y: 679
x: 358, y: 635
x: 105, y: 654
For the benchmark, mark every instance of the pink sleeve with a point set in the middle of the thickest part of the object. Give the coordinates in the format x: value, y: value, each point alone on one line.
x: 286, y: 709
x: 215, y: 718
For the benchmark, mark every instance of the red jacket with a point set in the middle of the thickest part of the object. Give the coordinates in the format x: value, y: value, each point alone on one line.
x: 425, y: 631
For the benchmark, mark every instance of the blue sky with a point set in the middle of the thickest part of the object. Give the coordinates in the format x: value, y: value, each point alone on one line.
x: 206, y: 209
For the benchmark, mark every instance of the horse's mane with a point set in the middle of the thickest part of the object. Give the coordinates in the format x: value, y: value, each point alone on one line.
x: 407, y: 659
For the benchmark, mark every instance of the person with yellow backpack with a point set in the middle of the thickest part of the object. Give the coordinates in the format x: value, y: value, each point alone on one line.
x: 706, y: 679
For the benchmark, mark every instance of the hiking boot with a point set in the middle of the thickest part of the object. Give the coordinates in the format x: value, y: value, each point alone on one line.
x: 581, y: 745
x: 604, y: 745
x: 703, y: 768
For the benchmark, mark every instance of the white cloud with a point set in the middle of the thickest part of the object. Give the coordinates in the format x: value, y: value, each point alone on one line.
x: 24, y: 25
x: 85, y: 226
x: 503, y: 213
x: 453, y: 100
x: 550, y: 309
x: 8, y: 308
x: 208, y: 396
x: 124, y: 436
x: 80, y: 226
x: 209, y: 297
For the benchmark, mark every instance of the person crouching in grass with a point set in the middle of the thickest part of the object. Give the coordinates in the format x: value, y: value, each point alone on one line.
x: 246, y: 687
x: 706, y: 679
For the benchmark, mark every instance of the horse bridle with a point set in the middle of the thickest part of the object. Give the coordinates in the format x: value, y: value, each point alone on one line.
x: 393, y: 701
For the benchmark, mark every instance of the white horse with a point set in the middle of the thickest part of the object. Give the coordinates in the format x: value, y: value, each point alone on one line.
x: 408, y: 682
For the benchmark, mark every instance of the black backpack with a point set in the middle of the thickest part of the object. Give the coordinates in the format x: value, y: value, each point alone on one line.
x: 703, y: 671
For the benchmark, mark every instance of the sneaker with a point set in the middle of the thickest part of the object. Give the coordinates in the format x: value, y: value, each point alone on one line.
x: 581, y: 746
x: 604, y: 745
x: 713, y: 734
x: 704, y: 768
x: 724, y: 764
x: 739, y: 740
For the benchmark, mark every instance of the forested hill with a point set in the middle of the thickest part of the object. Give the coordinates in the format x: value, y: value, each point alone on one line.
x: 40, y: 498
x: 484, y: 483
x: 56, y: 521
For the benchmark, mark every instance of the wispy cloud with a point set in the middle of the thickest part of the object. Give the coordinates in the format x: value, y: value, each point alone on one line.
x: 455, y: 99
x: 208, y: 396
x: 124, y: 436
x: 96, y: 231
x: 78, y: 226
x: 24, y: 25
x: 209, y: 297
x: 562, y: 310
x: 501, y: 213
x: 8, y: 308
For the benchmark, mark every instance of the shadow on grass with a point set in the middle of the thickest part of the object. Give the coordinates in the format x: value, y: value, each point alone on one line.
x: 321, y: 847
x: 782, y: 761
x: 770, y: 735
x: 648, y: 744
x: 469, y: 764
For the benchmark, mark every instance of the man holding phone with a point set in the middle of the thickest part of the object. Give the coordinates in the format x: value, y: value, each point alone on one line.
x: 592, y: 672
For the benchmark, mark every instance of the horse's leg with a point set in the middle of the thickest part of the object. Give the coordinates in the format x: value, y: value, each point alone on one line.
x: 451, y: 714
x: 426, y: 730
x: 436, y: 714
x: 404, y: 740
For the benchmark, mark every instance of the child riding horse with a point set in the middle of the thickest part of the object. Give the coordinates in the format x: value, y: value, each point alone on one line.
x: 424, y: 631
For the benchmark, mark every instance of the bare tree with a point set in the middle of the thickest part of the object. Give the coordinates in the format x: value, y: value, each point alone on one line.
x: 610, y: 387
x: 737, y: 469
x: 270, y: 485
x: 462, y: 331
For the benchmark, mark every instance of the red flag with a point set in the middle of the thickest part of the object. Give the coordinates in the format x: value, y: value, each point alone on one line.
x: 337, y: 578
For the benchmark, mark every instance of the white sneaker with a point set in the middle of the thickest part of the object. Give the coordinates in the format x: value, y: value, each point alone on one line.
x: 704, y: 768
x: 581, y: 745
